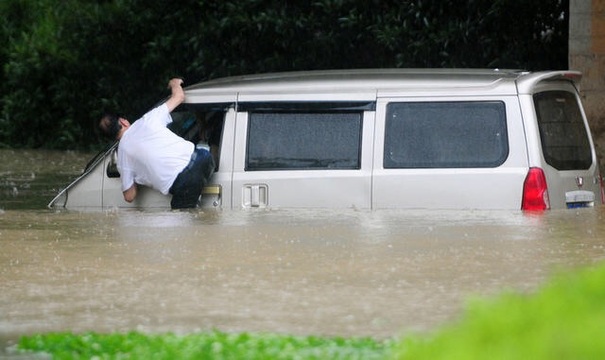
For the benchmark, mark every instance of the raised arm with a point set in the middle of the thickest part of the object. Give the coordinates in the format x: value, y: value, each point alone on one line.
x: 178, y: 95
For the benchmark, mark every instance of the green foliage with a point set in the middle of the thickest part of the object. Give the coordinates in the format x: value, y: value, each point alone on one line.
x: 41, y: 77
x: 213, y: 345
x: 67, y: 61
x: 564, y: 320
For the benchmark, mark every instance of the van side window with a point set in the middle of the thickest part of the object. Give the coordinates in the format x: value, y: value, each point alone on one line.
x: 445, y: 135
x: 303, y: 140
x: 564, y: 138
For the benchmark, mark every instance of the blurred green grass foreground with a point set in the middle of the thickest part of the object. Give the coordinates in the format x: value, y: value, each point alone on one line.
x: 565, y: 319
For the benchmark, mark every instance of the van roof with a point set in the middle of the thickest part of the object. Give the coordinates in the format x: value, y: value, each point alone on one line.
x: 378, y: 81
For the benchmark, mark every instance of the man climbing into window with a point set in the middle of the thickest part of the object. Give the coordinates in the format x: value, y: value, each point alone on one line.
x: 150, y: 154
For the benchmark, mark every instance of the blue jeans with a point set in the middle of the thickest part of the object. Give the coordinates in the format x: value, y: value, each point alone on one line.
x: 187, y: 187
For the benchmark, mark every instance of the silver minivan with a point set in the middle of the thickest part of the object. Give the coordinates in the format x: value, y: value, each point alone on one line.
x: 380, y: 138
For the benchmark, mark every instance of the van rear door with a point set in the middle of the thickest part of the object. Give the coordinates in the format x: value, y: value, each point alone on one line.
x: 563, y: 145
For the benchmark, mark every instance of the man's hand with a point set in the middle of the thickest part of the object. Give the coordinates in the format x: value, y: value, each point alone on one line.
x: 175, y: 82
x: 178, y: 95
x: 131, y: 193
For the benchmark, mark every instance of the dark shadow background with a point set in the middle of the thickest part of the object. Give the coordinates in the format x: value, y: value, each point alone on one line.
x: 66, y: 62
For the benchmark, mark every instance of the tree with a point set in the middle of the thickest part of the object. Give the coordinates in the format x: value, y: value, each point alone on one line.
x: 68, y: 61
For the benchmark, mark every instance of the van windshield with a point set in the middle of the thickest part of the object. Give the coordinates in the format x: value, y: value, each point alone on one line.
x: 565, y: 142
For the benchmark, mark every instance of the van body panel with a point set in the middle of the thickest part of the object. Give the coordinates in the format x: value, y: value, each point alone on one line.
x: 562, y: 183
x: 85, y: 195
x: 84, y: 191
x: 333, y: 95
x: 218, y: 97
x: 223, y: 175
x: 532, y: 133
x: 302, y: 189
x: 449, y: 188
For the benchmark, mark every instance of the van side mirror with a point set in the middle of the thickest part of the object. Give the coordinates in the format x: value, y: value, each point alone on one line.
x: 112, y: 167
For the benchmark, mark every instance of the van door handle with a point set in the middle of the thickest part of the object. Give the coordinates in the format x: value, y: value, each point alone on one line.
x: 255, y: 195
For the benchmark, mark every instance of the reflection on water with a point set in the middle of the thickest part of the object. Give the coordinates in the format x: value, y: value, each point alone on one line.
x: 324, y: 272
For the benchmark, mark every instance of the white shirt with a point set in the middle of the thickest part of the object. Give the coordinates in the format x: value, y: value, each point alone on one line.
x: 150, y: 154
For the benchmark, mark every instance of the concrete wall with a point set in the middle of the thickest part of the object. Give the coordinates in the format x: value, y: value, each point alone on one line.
x: 587, y: 54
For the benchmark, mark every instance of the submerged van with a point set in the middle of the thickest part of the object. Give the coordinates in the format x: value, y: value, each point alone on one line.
x: 382, y: 138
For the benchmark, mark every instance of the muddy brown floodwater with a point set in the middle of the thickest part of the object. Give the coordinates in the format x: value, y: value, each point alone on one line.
x: 321, y: 272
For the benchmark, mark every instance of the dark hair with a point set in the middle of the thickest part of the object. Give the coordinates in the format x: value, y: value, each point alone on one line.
x: 110, y: 125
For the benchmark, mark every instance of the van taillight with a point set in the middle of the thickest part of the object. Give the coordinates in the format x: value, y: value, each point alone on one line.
x: 535, y: 191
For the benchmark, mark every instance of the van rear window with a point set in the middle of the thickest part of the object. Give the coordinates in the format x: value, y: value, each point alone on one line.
x: 445, y: 135
x: 298, y: 141
x: 565, y: 142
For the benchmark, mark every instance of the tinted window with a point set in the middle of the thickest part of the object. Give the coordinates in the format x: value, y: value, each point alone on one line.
x: 304, y: 141
x: 445, y: 135
x: 564, y: 138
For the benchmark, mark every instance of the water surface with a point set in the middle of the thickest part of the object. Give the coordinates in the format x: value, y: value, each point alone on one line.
x: 321, y: 272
